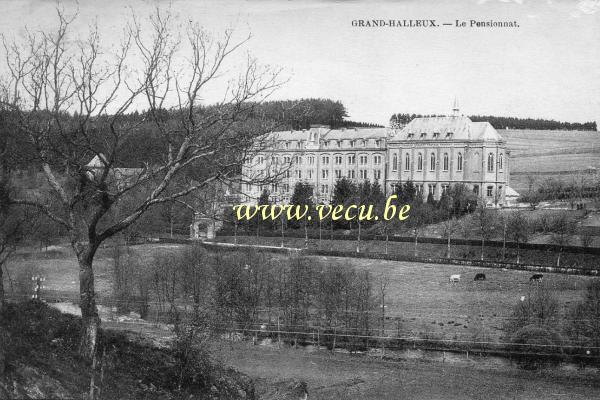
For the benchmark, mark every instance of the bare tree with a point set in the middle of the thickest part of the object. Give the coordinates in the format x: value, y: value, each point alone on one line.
x: 518, y: 230
x: 485, y: 220
x: 563, y: 227
x: 72, y: 99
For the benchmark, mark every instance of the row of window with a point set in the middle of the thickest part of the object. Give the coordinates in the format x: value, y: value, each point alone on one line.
x: 445, y: 162
x: 377, y: 159
x: 350, y: 174
x: 331, y: 143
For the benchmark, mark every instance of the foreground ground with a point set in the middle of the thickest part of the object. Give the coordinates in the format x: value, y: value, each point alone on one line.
x: 345, y: 377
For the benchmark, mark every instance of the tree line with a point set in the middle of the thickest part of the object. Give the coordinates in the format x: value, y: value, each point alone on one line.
x: 401, y: 119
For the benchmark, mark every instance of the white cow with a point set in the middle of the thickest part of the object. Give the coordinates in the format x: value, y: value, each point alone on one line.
x: 454, y: 278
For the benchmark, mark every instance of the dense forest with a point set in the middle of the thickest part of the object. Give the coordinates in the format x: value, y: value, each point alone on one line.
x: 300, y: 114
x: 401, y: 119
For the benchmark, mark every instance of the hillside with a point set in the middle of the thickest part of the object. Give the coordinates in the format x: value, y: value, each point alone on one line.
x: 564, y: 155
x: 38, y: 359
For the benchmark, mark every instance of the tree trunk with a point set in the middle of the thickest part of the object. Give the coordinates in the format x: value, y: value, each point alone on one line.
x: 358, y: 239
x: 416, y: 236
x: 90, y: 322
x: 482, y: 247
x: 1, y: 289
x: 504, y: 242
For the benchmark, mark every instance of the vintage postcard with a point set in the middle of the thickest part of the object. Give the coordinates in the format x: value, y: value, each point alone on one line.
x: 302, y: 199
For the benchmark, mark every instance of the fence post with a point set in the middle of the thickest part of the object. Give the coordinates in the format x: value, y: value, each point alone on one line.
x: 278, y: 333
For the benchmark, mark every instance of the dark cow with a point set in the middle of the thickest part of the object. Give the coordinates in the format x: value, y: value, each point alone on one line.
x: 479, y: 277
x: 536, y: 278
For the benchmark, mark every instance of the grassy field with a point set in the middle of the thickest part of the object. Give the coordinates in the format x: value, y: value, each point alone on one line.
x: 345, y: 377
x: 546, y: 152
x: 420, y: 300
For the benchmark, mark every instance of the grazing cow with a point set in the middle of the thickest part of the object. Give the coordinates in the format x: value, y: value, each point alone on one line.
x: 479, y: 277
x: 454, y: 278
x: 536, y: 278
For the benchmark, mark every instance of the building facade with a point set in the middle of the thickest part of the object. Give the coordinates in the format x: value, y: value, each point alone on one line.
x: 434, y: 153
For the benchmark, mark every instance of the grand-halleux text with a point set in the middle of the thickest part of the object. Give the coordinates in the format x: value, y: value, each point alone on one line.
x: 431, y: 23
x: 324, y: 211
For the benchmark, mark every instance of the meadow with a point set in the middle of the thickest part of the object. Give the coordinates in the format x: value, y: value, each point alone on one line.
x: 541, y: 154
x: 420, y: 300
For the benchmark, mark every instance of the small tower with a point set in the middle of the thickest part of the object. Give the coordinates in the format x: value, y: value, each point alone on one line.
x: 455, y: 108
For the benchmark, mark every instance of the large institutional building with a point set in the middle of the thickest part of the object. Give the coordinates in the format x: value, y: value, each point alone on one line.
x: 432, y: 152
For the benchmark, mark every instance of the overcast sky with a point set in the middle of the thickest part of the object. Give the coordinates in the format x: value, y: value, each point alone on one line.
x: 548, y: 67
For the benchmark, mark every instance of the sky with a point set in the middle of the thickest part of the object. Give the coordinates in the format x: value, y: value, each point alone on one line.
x: 549, y: 67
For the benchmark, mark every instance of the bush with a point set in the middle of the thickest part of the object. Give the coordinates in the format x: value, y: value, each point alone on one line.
x: 537, y: 347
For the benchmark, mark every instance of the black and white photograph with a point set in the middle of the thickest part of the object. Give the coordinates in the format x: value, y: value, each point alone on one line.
x: 299, y: 199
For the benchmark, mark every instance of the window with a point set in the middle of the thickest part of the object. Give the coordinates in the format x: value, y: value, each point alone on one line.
x: 338, y: 160
x: 287, y: 145
x: 490, y: 167
x: 490, y: 191
x: 363, y: 160
x: 395, y: 162
x: 325, y: 143
x: 338, y: 174
x: 500, y: 162
x: 298, y: 160
x: 420, y: 162
x: 298, y: 174
x: 445, y: 165
x: 423, y: 134
x: 432, y: 189
x: 325, y: 173
x: 261, y: 160
x: 311, y: 160
x: 363, y: 174
x: 325, y: 189
x: 351, y: 159
x: 407, y: 162
x: 352, y: 143
x: 445, y: 188
x: 351, y: 174
x: 476, y: 189
x: 377, y: 160
x: 298, y: 145
x: 325, y: 160
x: 363, y: 143
x: 339, y: 143
x: 286, y: 188
x: 419, y: 187
x: 287, y: 159
x: 459, y: 162
x: 287, y: 173
x: 377, y: 174
x: 310, y: 174
x: 432, y: 162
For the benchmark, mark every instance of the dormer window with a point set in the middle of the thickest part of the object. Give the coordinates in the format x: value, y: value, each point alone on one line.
x: 449, y: 134
x: 410, y: 135
x: 436, y: 134
x: 423, y: 134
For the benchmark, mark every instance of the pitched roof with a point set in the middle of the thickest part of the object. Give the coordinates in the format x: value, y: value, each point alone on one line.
x: 333, y: 134
x: 447, y: 128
